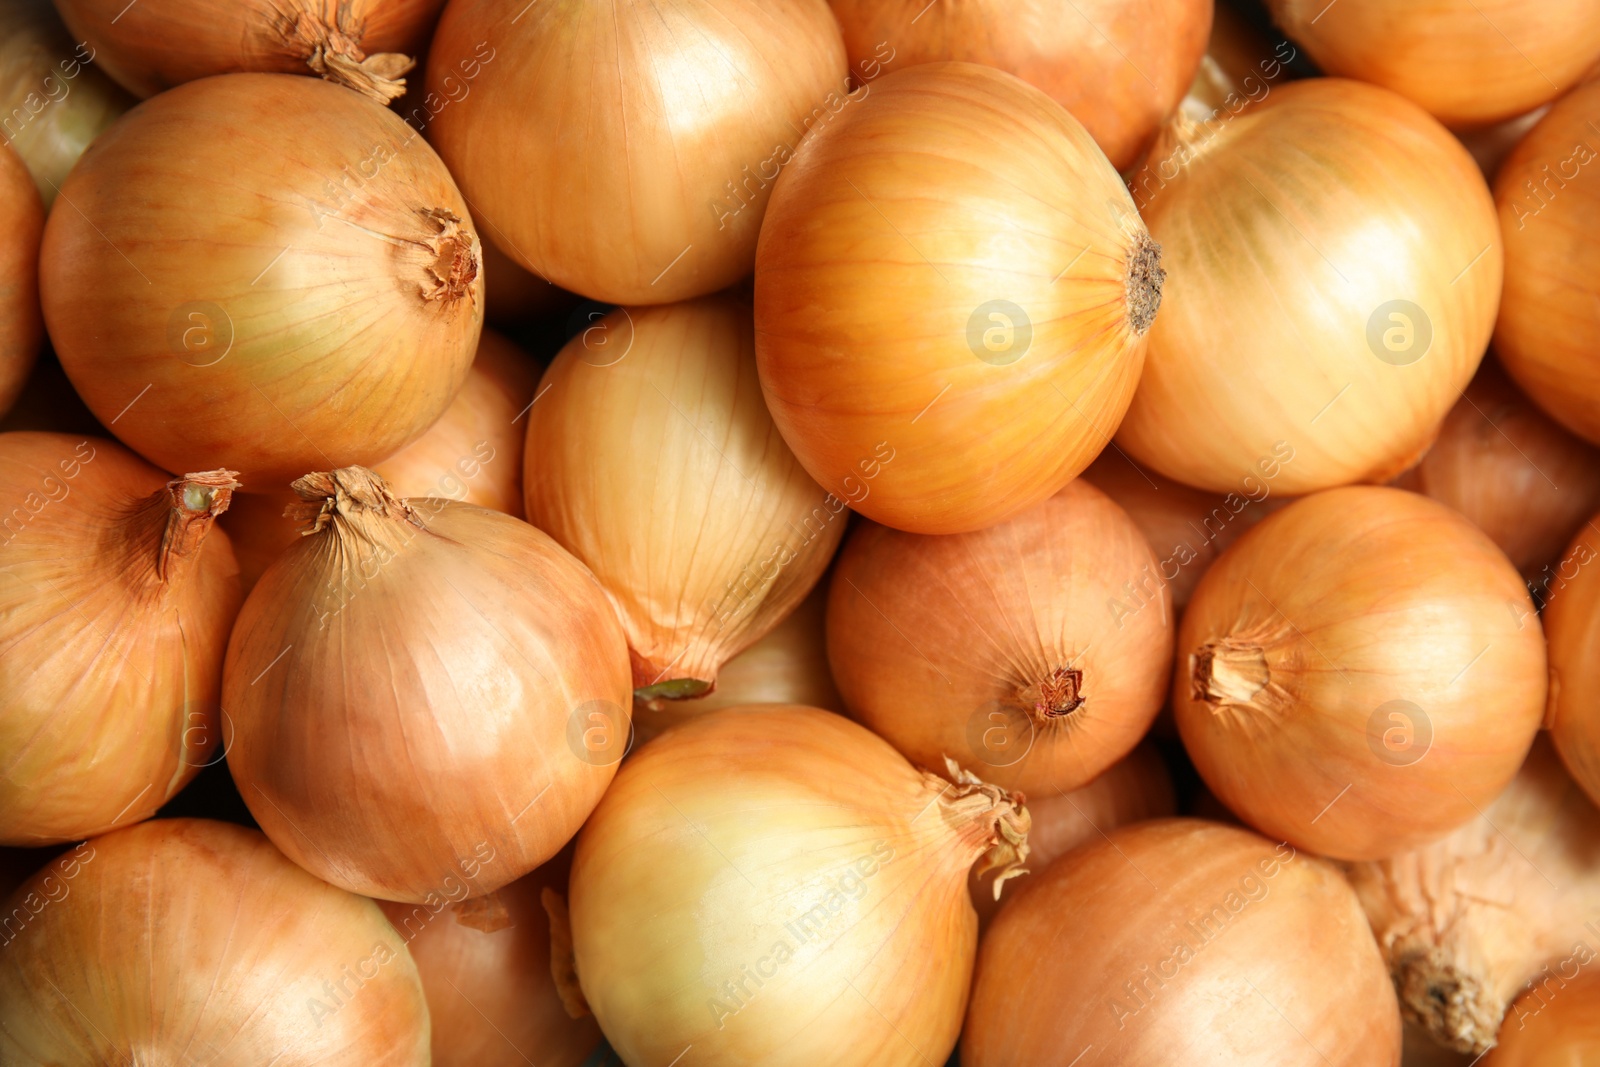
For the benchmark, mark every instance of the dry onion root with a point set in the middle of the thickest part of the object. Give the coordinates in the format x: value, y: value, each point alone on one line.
x: 114, y: 615
x: 426, y: 694
x: 21, y: 321
x: 777, y: 885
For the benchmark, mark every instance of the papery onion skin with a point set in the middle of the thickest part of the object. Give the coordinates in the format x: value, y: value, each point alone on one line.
x: 276, y: 322
x: 675, y: 119
x: 1509, y: 899
x: 1521, y: 478
x: 1306, y: 224
x: 1120, y: 68
x: 21, y: 321
x: 113, y: 623
x: 1271, y: 962
x: 890, y: 331
x: 686, y: 883
x: 152, y: 47
x: 185, y: 938
x: 1572, y: 624
x: 1332, y: 671
x: 1548, y: 331
x: 652, y: 459
x: 1468, y: 63
x: 413, y: 688
x: 1035, y: 651
x: 1555, y: 1023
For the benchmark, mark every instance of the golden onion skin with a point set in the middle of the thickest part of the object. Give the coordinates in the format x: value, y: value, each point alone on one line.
x: 1572, y: 623
x: 1555, y: 1022
x: 21, y: 321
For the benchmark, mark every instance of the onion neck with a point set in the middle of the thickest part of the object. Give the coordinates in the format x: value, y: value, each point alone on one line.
x: 455, y: 253
x: 991, y: 824
x: 1054, y: 697
x: 334, y: 52
x: 1447, y: 1001
x: 354, y: 494
x: 186, y: 508
x: 1229, y: 672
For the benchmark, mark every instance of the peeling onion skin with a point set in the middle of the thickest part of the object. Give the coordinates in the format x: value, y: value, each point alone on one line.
x: 1466, y: 923
x: 1554, y: 1025
x: 114, y: 617
x: 1468, y: 62
x: 338, y: 355
x: 406, y: 684
x: 685, y: 880
x: 1548, y: 330
x: 1332, y: 667
x: 871, y: 289
x: 21, y: 321
x: 1121, y: 68
x: 1572, y: 624
x: 705, y: 547
x: 670, y: 117
x: 1015, y: 650
x: 1263, y: 258
x: 1289, y: 977
x: 188, y: 940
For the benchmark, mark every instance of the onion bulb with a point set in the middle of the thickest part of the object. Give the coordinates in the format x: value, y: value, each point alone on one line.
x: 673, y: 121
x: 1359, y: 674
x: 318, y: 308
x: 1334, y: 267
x: 113, y: 621
x: 777, y: 885
x: 21, y: 323
x: 1549, y: 327
x: 1181, y: 941
x: 1120, y: 68
x: 1467, y: 922
x: 952, y: 294
x: 1572, y: 620
x: 192, y: 941
x: 1518, y: 476
x: 652, y: 458
x: 415, y: 688
x: 1468, y: 62
x: 1557, y: 1022
x: 152, y: 47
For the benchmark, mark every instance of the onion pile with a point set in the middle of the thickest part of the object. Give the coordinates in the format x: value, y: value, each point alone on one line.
x: 276, y: 322
x: 766, y: 912
x: 425, y: 694
x: 1333, y: 269
x: 113, y: 621
x: 185, y: 940
x: 21, y: 324
x: 1572, y: 620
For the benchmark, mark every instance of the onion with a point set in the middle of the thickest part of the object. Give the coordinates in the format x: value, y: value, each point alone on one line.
x: 1180, y: 941
x: 1467, y: 63
x: 1036, y: 650
x: 1548, y: 329
x: 1572, y: 621
x: 486, y: 968
x: 1466, y: 922
x: 113, y: 621
x: 952, y: 294
x: 1555, y: 1023
x: 803, y: 902
x: 191, y: 941
x: 1519, y: 477
x: 52, y: 101
x: 416, y: 688
x: 673, y: 122
x: 1360, y: 673
x: 1334, y: 269
x: 21, y: 324
x: 652, y: 458
x: 1120, y: 68
x: 155, y: 46
x: 278, y: 321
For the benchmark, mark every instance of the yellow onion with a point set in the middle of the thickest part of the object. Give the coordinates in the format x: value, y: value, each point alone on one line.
x: 1240, y: 64
x: 21, y: 323
x: 951, y: 274
x: 415, y: 688
x: 318, y: 308
x: 1519, y: 477
x: 53, y: 101
x: 113, y: 620
x: 153, y: 46
x: 1036, y: 651
x: 1468, y: 62
x: 192, y: 941
x: 776, y: 885
x: 652, y: 458
x: 1554, y: 1023
x: 1120, y: 68
x: 1360, y: 673
x: 1334, y: 267
x: 1505, y: 901
x: 1572, y: 621
x: 486, y: 966
x: 259, y: 532
x: 1548, y: 330
x: 1181, y: 941
x: 673, y: 122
